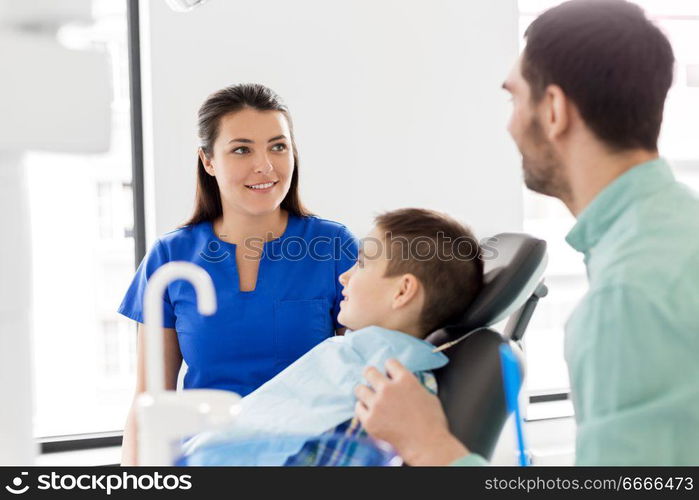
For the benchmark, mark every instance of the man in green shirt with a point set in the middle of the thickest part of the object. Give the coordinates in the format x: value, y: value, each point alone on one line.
x: 588, y: 95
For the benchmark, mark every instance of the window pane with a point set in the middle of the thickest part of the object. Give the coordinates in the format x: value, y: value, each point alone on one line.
x: 83, y: 258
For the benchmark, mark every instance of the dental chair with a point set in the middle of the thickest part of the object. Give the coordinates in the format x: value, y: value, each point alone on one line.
x: 470, y: 385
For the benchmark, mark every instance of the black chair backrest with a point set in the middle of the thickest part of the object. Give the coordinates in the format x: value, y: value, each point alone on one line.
x: 471, y: 390
x: 470, y: 385
x: 513, y: 264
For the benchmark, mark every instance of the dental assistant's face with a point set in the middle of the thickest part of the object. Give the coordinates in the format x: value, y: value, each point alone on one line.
x: 543, y: 170
x: 252, y: 160
x: 368, y: 294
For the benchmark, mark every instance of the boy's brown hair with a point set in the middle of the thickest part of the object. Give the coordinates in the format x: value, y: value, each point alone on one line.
x: 441, y: 253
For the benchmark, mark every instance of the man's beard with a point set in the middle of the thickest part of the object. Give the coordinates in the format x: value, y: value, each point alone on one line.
x: 543, y: 170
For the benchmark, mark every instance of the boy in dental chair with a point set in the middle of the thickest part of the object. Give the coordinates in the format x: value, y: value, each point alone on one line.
x: 416, y: 271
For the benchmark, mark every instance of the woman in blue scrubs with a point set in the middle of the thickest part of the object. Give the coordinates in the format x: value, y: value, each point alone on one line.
x: 275, y: 267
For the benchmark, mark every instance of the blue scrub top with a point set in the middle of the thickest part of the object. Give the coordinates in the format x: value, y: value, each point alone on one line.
x: 253, y: 335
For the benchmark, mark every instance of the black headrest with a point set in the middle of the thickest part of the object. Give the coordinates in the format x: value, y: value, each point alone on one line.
x: 513, y: 266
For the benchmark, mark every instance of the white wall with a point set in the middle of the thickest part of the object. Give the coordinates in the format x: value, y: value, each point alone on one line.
x: 396, y: 103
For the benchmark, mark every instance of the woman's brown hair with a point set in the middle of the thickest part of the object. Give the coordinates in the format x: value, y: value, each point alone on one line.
x: 207, y: 205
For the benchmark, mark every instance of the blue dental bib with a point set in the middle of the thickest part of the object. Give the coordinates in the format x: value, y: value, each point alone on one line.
x: 316, y: 392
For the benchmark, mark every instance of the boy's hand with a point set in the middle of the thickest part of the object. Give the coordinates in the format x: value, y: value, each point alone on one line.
x: 400, y: 411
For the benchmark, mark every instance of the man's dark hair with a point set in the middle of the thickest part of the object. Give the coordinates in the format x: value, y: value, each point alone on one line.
x: 610, y: 60
x: 441, y: 253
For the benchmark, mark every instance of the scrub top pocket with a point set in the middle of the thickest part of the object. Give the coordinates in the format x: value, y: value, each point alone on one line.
x: 300, y: 325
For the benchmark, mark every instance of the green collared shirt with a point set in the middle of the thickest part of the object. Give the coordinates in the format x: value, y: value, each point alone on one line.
x: 632, y: 344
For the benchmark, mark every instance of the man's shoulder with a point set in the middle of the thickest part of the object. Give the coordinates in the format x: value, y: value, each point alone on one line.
x: 653, y: 246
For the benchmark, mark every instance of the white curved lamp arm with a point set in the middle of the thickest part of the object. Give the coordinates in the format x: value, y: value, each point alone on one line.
x: 153, y: 313
x: 165, y: 417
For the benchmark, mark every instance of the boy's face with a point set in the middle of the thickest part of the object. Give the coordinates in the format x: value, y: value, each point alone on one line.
x: 368, y: 294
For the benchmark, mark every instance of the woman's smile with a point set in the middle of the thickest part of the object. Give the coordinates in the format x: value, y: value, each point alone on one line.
x: 264, y: 187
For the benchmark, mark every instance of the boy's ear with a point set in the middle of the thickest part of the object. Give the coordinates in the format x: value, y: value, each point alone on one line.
x: 408, y: 290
